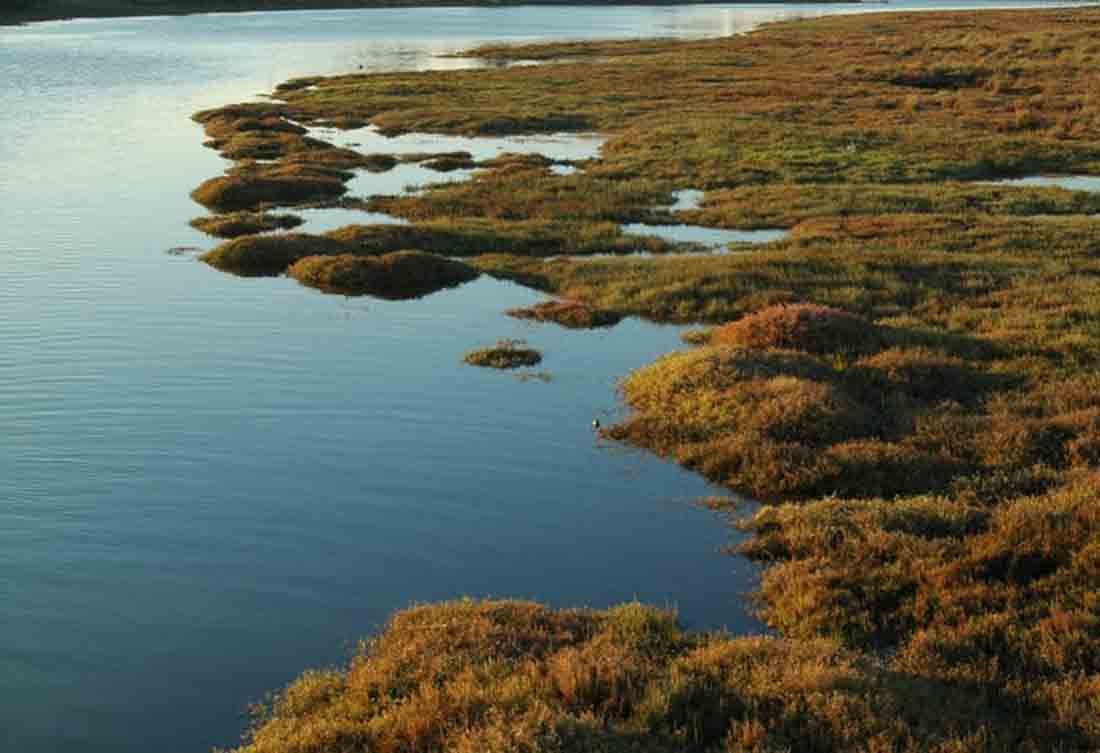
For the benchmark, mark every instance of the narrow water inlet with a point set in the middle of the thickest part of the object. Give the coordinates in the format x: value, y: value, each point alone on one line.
x: 569, y: 147
x: 713, y: 238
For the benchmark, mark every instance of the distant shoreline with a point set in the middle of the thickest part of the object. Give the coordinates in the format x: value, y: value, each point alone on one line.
x: 62, y: 10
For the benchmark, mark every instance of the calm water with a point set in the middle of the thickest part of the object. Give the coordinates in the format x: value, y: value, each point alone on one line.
x: 208, y: 484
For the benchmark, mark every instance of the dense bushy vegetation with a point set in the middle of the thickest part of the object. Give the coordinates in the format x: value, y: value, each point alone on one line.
x: 516, y: 677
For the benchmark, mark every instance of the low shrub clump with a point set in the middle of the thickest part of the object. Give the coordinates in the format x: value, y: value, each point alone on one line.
x: 229, y: 193
x: 506, y: 354
x: 513, y: 676
x: 800, y: 326
x: 397, y: 275
x: 567, y: 313
x: 269, y: 254
x: 244, y: 223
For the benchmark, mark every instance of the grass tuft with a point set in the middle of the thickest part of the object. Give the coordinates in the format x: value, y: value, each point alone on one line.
x: 244, y: 223
x: 571, y: 314
x: 395, y: 275
x: 506, y: 354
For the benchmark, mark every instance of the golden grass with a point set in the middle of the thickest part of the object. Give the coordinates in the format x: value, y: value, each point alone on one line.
x: 571, y: 314
x: 513, y: 676
x: 801, y: 326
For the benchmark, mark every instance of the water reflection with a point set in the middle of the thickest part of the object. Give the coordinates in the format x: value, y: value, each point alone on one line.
x: 713, y: 238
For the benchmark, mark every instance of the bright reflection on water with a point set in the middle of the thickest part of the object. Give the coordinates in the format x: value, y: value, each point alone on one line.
x: 209, y: 483
x: 1069, y: 182
x: 715, y: 238
x: 323, y: 220
x: 555, y: 146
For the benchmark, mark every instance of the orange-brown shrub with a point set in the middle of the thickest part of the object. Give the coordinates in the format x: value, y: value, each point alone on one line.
x: 800, y: 326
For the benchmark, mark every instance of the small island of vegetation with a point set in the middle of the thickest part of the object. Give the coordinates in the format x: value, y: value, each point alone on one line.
x: 506, y: 354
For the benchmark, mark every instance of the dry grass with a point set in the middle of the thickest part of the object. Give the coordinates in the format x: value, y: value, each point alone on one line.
x: 244, y: 223
x: 512, y: 677
x: 802, y: 326
x: 255, y: 255
x: 229, y: 193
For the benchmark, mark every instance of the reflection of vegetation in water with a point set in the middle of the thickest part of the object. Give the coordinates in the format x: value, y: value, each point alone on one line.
x: 908, y: 379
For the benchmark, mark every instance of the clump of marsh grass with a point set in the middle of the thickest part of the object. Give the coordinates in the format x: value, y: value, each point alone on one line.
x: 254, y: 255
x: 244, y: 223
x: 800, y: 326
x: 514, y: 676
x: 228, y: 193
x: 568, y: 313
x: 506, y: 354
x: 395, y: 275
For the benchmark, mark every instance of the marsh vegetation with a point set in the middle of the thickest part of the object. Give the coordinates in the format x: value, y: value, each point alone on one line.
x: 506, y: 354
x: 571, y: 314
x: 396, y: 275
x: 511, y: 676
x: 907, y: 381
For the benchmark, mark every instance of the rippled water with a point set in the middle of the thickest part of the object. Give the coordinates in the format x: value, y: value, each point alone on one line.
x: 1069, y: 182
x: 209, y: 483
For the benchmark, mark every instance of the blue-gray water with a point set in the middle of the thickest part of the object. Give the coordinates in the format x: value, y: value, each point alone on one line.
x: 208, y: 484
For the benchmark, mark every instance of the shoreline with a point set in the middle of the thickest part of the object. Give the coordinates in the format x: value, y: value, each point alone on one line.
x: 77, y: 11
